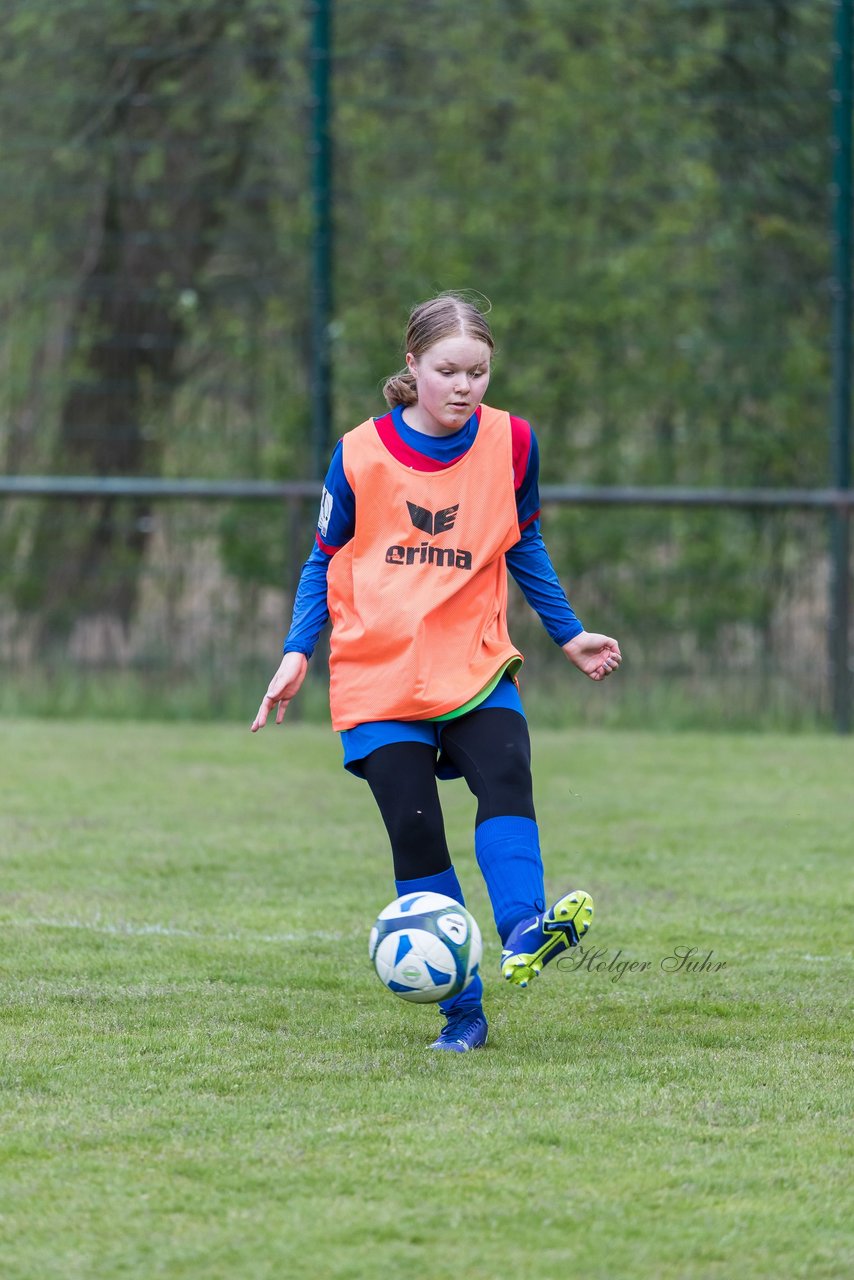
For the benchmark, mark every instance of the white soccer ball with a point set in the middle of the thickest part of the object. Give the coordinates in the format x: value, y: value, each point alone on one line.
x: 425, y: 947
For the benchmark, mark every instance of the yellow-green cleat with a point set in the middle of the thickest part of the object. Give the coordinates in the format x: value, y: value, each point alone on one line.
x: 536, y: 941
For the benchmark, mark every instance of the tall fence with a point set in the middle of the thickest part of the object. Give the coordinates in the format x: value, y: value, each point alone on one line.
x: 215, y: 218
x: 204, y: 637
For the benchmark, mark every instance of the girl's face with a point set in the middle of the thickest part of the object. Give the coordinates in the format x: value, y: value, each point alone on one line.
x: 452, y: 377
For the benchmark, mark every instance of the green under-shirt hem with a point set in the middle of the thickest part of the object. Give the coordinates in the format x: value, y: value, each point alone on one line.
x: 511, y: 666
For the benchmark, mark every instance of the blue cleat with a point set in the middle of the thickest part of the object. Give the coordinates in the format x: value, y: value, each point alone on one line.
x: 463, y: 1031
x: 536, y: 941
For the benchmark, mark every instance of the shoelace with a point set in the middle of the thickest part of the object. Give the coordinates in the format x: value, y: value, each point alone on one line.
x: 459, y: 1022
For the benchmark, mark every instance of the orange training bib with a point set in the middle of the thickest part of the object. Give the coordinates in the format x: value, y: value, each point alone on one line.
x: 418, y: 597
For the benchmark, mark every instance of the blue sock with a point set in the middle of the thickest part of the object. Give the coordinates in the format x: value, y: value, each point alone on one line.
x: 508, y: 854
x: 446, y: 882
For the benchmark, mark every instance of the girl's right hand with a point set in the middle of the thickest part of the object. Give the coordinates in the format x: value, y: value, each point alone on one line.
x: 284, y: 686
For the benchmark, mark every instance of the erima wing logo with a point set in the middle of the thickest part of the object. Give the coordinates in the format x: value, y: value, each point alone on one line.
x: 430, y: 523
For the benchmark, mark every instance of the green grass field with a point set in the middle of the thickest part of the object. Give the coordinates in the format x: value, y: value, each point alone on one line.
x: 203, y: 1078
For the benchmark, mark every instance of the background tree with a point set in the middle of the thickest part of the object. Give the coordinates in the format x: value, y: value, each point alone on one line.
x: 641, y: 192
x: 164, y: 153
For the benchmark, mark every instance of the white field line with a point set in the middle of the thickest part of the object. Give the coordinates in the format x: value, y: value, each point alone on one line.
x: 124, y: 929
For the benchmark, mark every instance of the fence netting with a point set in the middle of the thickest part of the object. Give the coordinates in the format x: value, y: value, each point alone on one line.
x: 641, y: 194
x: 721, y: 616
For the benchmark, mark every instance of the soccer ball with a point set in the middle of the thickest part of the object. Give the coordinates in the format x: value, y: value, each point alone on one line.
x: 425, y: 947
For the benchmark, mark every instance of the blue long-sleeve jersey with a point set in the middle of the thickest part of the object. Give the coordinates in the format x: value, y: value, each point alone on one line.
x: 528, y: 561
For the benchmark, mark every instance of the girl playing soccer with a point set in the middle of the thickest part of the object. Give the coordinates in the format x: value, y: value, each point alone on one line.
x: 422, y: 508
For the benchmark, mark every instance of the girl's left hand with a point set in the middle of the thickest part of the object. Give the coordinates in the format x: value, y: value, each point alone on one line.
x: 597, y: 656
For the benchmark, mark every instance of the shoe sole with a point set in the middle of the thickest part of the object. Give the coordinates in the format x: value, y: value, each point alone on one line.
x: 569, y: 919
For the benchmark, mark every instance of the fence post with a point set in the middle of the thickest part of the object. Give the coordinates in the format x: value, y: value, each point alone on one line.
x: 840, y: 536
x: 321, y: 236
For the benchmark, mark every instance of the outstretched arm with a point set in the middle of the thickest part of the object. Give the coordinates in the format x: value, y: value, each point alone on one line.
x: 336, y: 522
x: 530, y: 564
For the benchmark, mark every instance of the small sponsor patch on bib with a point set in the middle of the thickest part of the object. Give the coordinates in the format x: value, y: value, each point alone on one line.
x: 325, y: 512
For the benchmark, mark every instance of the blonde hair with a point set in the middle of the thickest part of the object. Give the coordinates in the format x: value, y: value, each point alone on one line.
x: 445, y: 316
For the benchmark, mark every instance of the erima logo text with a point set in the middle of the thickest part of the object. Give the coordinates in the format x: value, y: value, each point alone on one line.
x: 432, y: 524
x: 425, y: 554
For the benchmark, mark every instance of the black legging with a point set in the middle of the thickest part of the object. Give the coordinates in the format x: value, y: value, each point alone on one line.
x: 492, y: 750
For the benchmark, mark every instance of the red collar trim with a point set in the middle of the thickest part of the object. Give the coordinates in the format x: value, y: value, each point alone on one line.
x: 400, y: 450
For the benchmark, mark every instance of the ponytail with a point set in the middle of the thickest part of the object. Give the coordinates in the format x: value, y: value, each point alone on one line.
x: 400, y: 389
